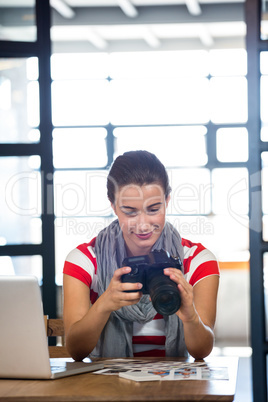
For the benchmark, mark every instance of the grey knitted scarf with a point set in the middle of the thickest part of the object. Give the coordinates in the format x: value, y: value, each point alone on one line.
x: 116, y: 337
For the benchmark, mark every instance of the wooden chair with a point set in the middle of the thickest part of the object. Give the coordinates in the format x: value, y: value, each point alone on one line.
x: 55, y: 328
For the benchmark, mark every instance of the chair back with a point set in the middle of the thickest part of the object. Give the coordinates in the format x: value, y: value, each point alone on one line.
x: 55, y: 328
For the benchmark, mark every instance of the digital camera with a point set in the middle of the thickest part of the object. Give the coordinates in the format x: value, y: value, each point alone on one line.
x: 148, y: 270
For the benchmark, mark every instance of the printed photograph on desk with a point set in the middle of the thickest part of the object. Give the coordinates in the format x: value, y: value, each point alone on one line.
x: 116, y: 366
x: 215, y: 373
x: 168, y: 371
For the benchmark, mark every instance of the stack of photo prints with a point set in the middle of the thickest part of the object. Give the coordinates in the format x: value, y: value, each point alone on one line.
x: 147, y: 370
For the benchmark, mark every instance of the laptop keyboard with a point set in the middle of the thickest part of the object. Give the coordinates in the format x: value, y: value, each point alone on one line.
x: 56, y: 369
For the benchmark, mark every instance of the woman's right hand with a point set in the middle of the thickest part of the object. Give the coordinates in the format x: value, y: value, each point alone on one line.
x: 115, y: 296
x: 84, y: 323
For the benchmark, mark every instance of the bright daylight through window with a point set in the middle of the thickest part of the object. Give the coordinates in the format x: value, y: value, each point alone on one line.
x: 163, y: 103
x: 175, y: 104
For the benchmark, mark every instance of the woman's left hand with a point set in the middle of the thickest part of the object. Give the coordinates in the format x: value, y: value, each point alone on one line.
x: 197, y: 311
x: 187, y: 311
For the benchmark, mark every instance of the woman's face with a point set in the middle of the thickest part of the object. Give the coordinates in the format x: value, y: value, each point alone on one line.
x: 141, y: 212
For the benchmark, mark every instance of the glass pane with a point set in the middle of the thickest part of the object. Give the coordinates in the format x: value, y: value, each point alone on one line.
x: 82, y: 66
x: 159, y: 102
x: 33, y: 104
x: 159, y: 64
x: 70, y: 232
x: 264, y: 62
x: 228, y: 100
x: 191, y: 191
x: 265, y: 228
x: 32, y: 69
x: 186, y: 145
x: 227, y: 238
x: 264, y: 175
x: 264, y: 20
x: 230, y: 237
x: 21, y: 203
x: 230, y: 192
x: 264, y: 134
x: 264, y: 99
x: 79, y: 147
x: 22, y: 265
x: 232, y: 144
x: 228, y: 62
x: 19, y: 100
x: 195, y: 228
x: 17, y: 20
x: 81, y: 193
x: 80, y: 103
x: 265, y: 285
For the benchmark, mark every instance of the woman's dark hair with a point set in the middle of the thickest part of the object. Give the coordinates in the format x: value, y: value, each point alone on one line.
x: 136, y: 167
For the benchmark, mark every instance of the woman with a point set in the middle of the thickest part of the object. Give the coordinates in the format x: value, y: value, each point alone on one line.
x: 100, y: 318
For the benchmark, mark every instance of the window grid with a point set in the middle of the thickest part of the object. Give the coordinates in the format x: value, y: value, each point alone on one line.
x: 111, y: 149
x: 44, y: 148
x: 41, y: 50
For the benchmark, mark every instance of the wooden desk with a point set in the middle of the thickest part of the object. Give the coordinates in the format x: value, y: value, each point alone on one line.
x: 93, y: 387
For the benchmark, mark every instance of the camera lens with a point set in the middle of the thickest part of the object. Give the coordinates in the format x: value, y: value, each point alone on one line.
x: 166, y: 300
x: 164, y: 292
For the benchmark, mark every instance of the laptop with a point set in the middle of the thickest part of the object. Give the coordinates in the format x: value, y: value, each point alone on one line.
x: 23, y: 341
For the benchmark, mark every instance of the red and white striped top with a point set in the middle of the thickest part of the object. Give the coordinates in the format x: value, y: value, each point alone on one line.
x: 149, y: 338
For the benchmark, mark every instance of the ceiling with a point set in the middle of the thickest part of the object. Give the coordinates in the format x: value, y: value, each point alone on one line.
x: 133, y: 25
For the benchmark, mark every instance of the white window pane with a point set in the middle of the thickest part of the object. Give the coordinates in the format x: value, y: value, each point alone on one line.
x: 265, y: 228
x: 264, y: 27
x: 82, y: 66
x: 264, y: 159
x: 228, y: 62
x: 232, y: 144
x: 20, y: 203
x: 32, y: 69
x: 33, y: 104
x: 265, y: 285
x: 21, y: 229
x: 227, y: 238
x: 264, y: 134
x: 22, y: 265
x: 70, y: 232
x: 185, y: 146
x: 81, y: 193
x: 230, y: 192
x: 159, y: 64
x: 197, y: 228
x: 79, y: 147
x: 264, y: 99
x: 264, y: 175
x: 17, y: 24
x: 264, y: 62
x: 228, y: 100
x: 191, y: 191
x: 231, y: 238
x: 19, y: 100
x: 159, y: 102
x: 34, y: 135
x: 79, y: 102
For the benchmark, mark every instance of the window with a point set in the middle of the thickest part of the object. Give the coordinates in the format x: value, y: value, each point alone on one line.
x: 19, y: 107
x: 174, y: 145
x: 232, y: 144
x: 21, y: 207
x: 174, y: 106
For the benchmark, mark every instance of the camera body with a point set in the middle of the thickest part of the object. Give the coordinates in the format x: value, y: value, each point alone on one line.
x: 148, y: 270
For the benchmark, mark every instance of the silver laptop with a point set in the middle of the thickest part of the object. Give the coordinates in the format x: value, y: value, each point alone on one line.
x: 23, y: 340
